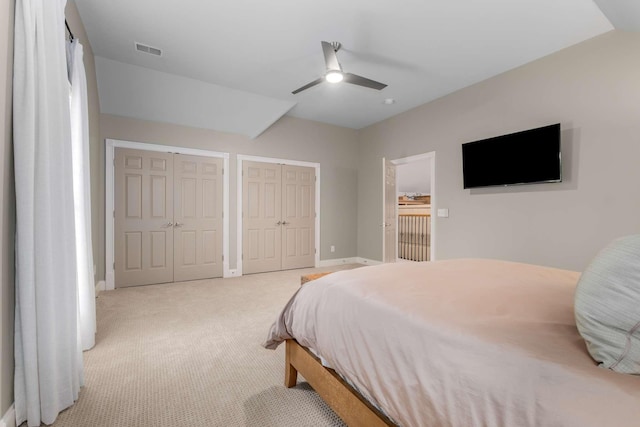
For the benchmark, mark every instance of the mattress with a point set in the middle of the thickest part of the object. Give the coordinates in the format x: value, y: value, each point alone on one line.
x: 460, y: 343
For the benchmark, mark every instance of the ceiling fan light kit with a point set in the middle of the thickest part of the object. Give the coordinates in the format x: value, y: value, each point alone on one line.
x: 335, y: 74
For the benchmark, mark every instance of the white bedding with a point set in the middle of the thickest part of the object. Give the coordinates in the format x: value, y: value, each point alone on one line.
x: 460, y: 343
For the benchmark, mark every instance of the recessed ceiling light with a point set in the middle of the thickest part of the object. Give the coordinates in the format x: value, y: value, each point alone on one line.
x: 389, y: 101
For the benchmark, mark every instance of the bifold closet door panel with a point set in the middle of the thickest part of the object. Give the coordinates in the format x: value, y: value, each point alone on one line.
x: 261, y: 217
x: 143, y: 240
x: 298, y: 216
x: 197, y: 217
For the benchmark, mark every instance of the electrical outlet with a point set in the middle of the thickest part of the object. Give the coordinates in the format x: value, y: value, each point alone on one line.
x: 333, y: 248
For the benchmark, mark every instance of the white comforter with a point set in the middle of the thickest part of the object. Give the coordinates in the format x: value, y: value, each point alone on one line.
x: 460, y: 343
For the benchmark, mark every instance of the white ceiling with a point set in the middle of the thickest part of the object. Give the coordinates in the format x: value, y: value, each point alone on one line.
x: 423, y: 49
x: 623, y: 14
x: 414, y: 177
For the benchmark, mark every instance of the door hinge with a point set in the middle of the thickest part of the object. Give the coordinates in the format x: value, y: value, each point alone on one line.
x: 114, y: 265
x: 114, y: 214
x: 222, y: 258
x: 222, y: 171
x: 315, y: 250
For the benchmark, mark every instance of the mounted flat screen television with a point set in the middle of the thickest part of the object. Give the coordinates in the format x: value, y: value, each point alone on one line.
x: 527, y: 157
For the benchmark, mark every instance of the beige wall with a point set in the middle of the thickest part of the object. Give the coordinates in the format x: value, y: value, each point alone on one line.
x: 593, y: 90
x: 96, y: 145
x: 335, y: 148
x: 7, y: 206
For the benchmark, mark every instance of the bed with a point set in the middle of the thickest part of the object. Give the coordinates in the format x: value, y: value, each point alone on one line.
x: 451, y: 343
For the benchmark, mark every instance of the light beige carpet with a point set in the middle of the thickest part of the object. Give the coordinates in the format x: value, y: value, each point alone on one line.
x: 189, y: 354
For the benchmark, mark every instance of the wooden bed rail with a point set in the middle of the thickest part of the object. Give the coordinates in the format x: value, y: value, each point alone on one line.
x: 354, y: 410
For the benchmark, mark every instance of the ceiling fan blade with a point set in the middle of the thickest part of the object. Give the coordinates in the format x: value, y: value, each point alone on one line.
x: 363, y: 81
x: 308, y: 85
x: 330, y: 57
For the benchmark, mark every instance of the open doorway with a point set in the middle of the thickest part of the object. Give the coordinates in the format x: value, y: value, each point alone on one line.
x: 415, y: 196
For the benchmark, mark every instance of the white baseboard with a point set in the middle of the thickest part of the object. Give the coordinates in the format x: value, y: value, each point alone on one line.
x: 367, y: 261
x: 337, y: 261
x: 231, y: 272
x: 353, y: 260
x: 9, y: 418
x: 110, y: 281
x: 101, y: 286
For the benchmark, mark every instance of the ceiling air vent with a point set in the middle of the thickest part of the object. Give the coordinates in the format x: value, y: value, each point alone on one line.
x: 148, y: 49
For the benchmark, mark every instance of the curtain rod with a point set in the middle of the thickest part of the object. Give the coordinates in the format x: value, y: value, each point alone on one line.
x: 68, y: 29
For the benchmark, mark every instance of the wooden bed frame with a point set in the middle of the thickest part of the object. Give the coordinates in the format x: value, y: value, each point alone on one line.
x: 354, y: 409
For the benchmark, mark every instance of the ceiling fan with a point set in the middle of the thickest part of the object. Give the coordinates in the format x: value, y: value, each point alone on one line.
x: 335, y: 74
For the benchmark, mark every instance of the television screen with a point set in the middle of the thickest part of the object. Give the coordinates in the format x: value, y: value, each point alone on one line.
x: 527, y: 157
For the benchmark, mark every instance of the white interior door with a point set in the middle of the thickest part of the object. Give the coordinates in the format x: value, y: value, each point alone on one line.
x: 143, y: 240
x: 390, y: 212
x: 261, y: 217
x: 298, y: 216
x: 197, y: 217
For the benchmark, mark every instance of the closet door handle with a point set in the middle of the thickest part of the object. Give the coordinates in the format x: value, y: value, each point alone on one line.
x: 167, y: 225
x: 279, y: 223
x: 178, y: 224
x: 285, y: 223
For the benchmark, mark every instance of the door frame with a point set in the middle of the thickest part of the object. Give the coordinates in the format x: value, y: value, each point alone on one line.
x: 384, y: 209
x: 403, y: 161
x: 109, y: 203
x: 239, y: 185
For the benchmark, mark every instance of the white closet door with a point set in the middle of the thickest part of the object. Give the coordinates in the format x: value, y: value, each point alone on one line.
x: 278, y: 229
x: 298, y: 216
x: 261, y: 217
x: 197, y: 217
x: 143, y: 216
